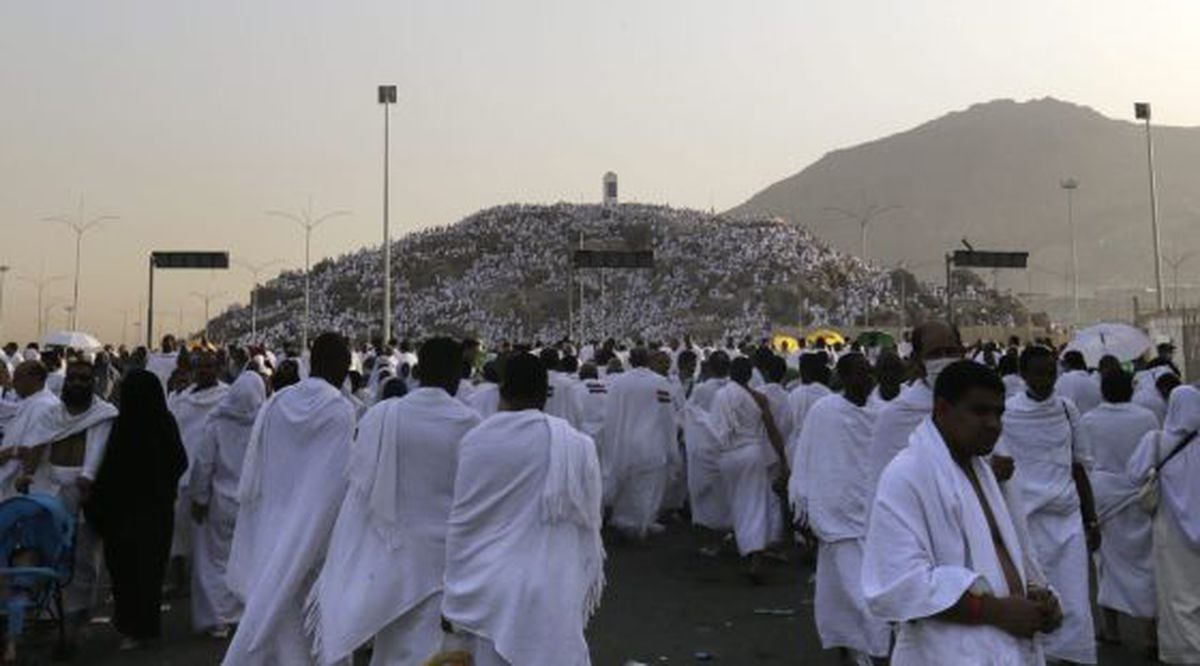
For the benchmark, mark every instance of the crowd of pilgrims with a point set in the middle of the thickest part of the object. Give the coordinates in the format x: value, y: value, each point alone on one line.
x: 471, y: 276
x: 437, y: 498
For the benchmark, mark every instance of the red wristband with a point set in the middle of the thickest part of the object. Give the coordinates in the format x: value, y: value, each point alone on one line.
x: 974, y: 608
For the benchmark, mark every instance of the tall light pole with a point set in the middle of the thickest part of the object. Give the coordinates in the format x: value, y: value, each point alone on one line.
x: 308, y: 222
x: 1070, y: 185
x: 80, y: 226
x: 863, y: 217
x: 255, y: 270
x: 207, y: 297
x: 1141, y: 111
x: 40, y: 283
x: 1175, y: 263
x: 3, y: 273
x: 387, y: 97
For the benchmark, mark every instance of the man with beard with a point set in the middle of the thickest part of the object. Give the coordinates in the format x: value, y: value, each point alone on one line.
x: 61, y: 452
x: 191, y: 408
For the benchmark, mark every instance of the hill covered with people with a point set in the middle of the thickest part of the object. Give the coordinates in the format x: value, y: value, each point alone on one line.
x: 504, y: 273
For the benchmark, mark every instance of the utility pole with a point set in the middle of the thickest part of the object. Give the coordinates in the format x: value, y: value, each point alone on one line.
x: 80, y: 226
x: 255, y: 270
x: 1141, y: 111
x: 863, y: 217
x: 1069, y: 185
x: 40, y: 283
x: 307, y: 222
x: 387, y: 97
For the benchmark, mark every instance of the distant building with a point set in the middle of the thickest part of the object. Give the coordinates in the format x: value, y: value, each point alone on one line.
x: 610, y: 189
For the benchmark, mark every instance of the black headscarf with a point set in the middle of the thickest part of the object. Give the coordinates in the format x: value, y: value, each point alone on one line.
x: 145, y: 455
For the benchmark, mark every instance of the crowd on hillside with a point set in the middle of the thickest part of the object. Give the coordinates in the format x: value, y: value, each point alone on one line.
x: 504, y: 273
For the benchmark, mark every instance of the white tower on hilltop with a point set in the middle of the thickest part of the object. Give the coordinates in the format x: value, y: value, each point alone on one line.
x: 610, y: 189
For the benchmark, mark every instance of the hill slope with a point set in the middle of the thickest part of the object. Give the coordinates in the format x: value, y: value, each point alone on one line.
x: 503, y: 273
x: 991, y: 173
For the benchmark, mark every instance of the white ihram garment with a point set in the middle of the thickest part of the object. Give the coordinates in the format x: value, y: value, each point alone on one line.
x: 55, y: 424
x: 800, y: 400
x: 706, y: 490
x: 1176, y: 527
x: 897, y: 421
x: 214, y: 483
x: 1080, y: 388
x: 293, y: 481
x: 485, y: 399
x: 564, y: 398
x: 524, y: 560
x: 1044, y: 439
x: 640, y: 447
x: 190, y: 408
x: 837, y: 433
x: 387, y: 555
x: 1125, y: 562
x: 744, y: 462
x: 928, y: 544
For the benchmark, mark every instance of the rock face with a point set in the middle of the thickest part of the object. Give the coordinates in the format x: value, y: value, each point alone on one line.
x: 503, y: 273
x: 992, y: 173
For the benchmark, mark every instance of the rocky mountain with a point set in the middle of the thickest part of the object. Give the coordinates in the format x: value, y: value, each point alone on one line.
x: 992, y: 174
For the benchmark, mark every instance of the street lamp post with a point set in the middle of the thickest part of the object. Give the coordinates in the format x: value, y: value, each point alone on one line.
x: 80, y: 226
x: 1175, y: 263
x: 387, y: 97
x: 308, y: 222
x: 1070, y: 185
x: 255, y: 270
x: 206, y: 297
x: 3, y: 273
x: 1141, y: 111
x: 40, y: 283
x: 863, y: 217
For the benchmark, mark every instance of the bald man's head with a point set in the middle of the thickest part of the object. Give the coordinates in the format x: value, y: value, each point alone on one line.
x: 936, y: 339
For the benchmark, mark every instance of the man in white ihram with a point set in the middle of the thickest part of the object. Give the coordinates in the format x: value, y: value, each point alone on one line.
x: 947, y: 558
x: 213, y: 492
x: 524, y: 559
x: 640, y: 446
x: 292, y: 484
x: 383, y: 575
x: 838, y: 432
x: 61, y: 450
x: 191, y: 408
x: 1124, y: 568
x: 1052, y: 456
x: 935, y: 345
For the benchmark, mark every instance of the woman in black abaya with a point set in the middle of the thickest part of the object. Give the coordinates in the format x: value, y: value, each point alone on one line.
x: 132, y: 504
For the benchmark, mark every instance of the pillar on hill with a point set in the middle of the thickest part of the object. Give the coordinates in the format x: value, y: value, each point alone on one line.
x: 610, y: 189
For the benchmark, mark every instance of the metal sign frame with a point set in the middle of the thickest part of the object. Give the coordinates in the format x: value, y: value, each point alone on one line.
x: 612, y: 259
x: 204, y: 260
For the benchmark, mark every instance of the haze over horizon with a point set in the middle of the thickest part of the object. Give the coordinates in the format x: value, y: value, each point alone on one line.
x: 189, y: 121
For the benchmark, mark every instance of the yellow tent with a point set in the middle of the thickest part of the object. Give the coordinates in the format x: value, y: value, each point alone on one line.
x: 831, y: 336
x: 782, y: 342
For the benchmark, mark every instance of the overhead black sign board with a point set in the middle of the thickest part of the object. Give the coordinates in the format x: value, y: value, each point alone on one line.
x: 613, y: 259
x: 190, y: 259
x: 976, y: 259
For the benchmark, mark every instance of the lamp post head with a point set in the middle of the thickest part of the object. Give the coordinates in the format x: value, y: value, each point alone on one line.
x: 387, y: 94
x: 1141, y: 110
x: 1069, y: 184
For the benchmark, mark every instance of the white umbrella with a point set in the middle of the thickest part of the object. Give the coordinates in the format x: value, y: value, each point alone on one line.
x: 1120, y: 340
x: 73, y: 340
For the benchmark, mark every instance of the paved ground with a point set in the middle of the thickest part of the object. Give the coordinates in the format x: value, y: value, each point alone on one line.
x: 665, y: 604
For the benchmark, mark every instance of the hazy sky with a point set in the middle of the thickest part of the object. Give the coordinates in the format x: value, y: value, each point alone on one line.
x: 190, y: 119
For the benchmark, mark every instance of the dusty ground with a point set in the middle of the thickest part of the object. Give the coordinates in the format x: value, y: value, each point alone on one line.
x: 665, y: 604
